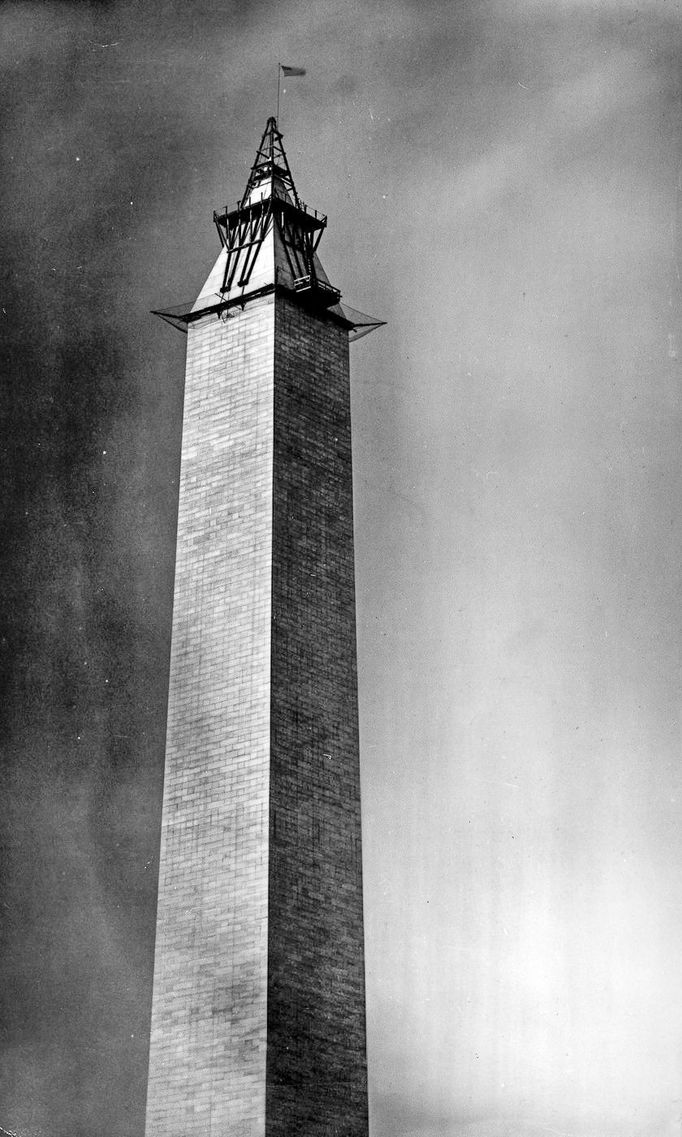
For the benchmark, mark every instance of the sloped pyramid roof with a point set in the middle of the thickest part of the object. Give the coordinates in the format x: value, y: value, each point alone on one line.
x: 268, y: 239
x: 270, y: 180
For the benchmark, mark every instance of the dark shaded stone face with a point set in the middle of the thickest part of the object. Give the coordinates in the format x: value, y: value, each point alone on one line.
x: 316, y: 1066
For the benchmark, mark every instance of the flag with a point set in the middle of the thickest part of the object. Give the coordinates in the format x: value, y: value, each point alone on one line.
x: 292, y: 70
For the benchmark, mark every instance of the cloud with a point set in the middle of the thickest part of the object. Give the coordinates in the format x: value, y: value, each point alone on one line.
x: 600, y: 8
x: 547, y: 135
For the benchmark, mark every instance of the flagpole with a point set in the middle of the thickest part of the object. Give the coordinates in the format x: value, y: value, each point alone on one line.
x: 279, y: 80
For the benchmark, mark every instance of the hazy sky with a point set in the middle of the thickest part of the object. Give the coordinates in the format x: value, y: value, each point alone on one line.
x: 502, y: 183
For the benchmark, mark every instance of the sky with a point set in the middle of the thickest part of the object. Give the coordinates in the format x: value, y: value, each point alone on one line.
x: 503, y: 186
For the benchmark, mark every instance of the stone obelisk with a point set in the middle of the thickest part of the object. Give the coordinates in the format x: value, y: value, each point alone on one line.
x: 258, y: 1017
